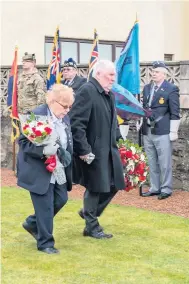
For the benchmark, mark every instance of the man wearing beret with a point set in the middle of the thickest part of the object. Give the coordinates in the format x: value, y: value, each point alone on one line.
x: 31, y: 86
x: 161, y: 98
x: 70, y: 77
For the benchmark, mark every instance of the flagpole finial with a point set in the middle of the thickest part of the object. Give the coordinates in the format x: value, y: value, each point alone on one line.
x: 136, y: 18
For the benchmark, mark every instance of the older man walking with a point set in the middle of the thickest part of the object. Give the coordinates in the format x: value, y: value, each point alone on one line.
x: 95, y: 133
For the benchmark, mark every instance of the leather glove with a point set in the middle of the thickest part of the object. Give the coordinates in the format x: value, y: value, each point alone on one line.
x: 174, y: 126
x: 64, y: 156
x: 50, y: 150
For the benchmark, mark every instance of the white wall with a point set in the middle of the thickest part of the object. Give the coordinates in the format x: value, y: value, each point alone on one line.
x: 28, y: 22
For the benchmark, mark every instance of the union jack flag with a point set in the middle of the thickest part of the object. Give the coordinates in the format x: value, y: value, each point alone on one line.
x: 94, y: 53
x: 54, y: 74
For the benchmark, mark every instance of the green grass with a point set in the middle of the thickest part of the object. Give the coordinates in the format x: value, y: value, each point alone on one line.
x: 147, y: 247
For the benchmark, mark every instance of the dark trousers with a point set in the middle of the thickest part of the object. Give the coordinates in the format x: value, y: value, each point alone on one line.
x: 94, y: 205
x: 46, y: 207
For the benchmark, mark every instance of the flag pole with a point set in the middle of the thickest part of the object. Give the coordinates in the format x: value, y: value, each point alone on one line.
x: 14, y: 156
x: 140, y: 144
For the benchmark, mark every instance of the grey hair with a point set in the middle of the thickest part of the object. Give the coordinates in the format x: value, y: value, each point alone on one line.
x: 102, y: 65
x: 162, y: 69
x: 58, y: 91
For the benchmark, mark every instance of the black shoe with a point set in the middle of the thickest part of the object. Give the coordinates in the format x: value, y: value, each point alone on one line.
x: 80, y: 212
x: 86, y: 232
x: 148, y: 193
x: 26, y: 226
x: 163, y: 195
x: 97, y: 234
x: 49, y: 250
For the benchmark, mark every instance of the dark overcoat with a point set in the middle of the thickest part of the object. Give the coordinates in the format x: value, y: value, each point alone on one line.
x: 31, y: 170
x: 95, y: 129
x: 76, y: 83
x: 165, y: 105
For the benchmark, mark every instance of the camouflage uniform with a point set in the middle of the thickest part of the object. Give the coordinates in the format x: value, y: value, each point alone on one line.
x: 31, y: 89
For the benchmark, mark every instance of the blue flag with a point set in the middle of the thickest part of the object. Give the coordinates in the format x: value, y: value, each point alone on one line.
x: 53, y: 74
x: 127, y: 65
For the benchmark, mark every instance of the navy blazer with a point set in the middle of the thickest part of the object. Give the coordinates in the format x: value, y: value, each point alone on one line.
x: 165, y: 105
x: 31, y: 170
x: 77, y: 82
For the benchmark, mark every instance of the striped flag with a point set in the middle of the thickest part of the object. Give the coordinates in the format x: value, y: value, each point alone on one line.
x: 12, y: 97
x: 94, y: 54
x: 54, y: 70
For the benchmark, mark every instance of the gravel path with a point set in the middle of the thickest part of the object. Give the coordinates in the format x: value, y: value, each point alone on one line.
x: 177, y: 204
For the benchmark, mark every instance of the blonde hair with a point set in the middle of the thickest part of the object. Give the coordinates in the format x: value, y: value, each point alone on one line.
x: 59, y: 92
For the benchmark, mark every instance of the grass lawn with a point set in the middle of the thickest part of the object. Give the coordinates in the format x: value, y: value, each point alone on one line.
x: 147, y: 247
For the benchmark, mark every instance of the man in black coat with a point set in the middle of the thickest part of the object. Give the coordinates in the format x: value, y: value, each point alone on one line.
x: 48, y: 197
x: 95, y: 132
x: 70, y: 77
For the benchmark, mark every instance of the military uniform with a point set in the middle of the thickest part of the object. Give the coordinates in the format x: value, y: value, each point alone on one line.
x: 159, y: 130
x: 31, y: 89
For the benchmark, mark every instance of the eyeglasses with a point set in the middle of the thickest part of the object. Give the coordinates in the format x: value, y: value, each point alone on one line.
x: 64, y: 107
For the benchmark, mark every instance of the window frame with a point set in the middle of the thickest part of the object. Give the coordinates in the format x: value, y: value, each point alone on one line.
x: 114, y: 44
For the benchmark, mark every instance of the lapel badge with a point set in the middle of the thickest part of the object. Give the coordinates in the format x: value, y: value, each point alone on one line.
x: 161, y: 101
x: 162, y: 89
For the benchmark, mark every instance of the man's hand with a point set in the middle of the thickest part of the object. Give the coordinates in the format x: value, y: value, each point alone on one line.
x: 83, y: 157
x: 88, y: 158
x: 50, y: 150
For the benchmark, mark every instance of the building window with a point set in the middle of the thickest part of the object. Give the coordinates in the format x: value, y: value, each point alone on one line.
x: 168, y: 57
x: 80, y: 49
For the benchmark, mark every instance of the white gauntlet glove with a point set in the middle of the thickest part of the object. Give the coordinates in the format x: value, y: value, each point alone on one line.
x: 50, y: 150
x: 124, y: 129
x: 139, y: 124
x: 174, y: 126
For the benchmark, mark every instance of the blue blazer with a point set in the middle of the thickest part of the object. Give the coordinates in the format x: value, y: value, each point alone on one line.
x: 31, y: 170
x: 77, y: 82
x: 165, y: 104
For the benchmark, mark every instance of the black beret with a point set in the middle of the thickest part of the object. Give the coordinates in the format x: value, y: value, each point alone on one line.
x: 157, y: 64
x: 70, y: 63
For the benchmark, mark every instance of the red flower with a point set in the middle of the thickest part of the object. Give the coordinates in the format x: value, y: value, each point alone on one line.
x: 136, y: 157
x: 39, y: 123
x: 129, y: 154
x: 38, y: 133
x: 33, y: 129
x: 25, y: 126
x: 142, y: 178
x: 48, y: 130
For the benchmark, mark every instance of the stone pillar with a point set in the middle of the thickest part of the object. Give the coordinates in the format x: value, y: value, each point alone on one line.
x: 181, y: 147
x: 184, y: 84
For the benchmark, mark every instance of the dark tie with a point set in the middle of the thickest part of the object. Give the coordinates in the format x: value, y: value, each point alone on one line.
x: 155, y: 88
x: 67, y: 83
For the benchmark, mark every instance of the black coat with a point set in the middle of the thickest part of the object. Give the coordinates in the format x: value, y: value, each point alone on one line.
x: 76, y: 83
x: 165, y: 104
x: 95, y: 129
x: 31, y: 170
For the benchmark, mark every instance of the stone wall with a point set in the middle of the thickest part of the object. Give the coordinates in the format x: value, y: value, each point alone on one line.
x: 179, y: 74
